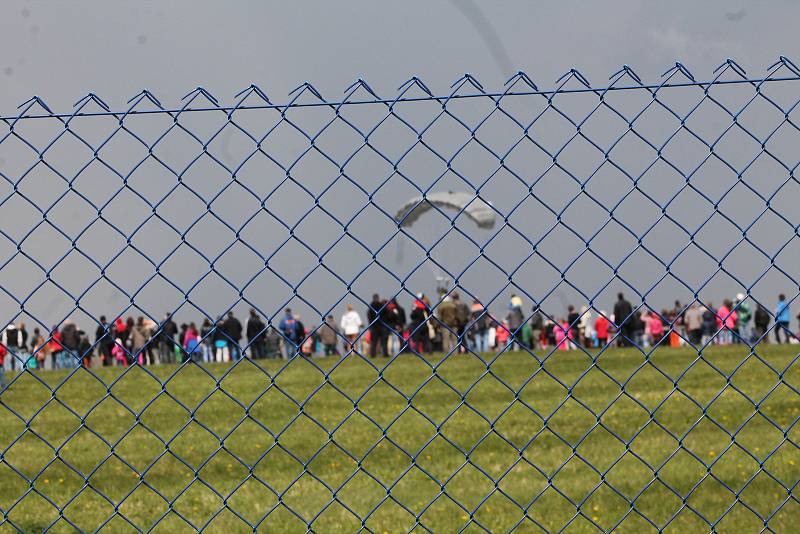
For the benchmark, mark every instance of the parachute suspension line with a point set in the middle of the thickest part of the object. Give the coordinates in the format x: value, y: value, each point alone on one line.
x: 400, y: 250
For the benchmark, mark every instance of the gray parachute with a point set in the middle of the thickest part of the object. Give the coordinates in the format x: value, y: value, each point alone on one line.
x: 474, y: 208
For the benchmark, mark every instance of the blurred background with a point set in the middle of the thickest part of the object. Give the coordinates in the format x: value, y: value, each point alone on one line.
x: 275, y: 241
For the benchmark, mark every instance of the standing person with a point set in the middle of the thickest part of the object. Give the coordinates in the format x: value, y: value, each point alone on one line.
x: 515, y: 318
x: 421, y: 329
x: 54, y: 348
x: 376, y: 318
x: 502, y: 336
x: 301, y: 333
x: 601, y: 328
x: 104, y: 339
x: 586, y: 328
x: 329, y: 336
x: 674, y: 326
x: 167, y: 337
x: 11, y: 339
x: 537, y: 325
x: 233, y: 328
x: 638, y: 326
x: 396, y: 318
x: 222, y: 353
x: 191, y: 343
x: 38, y: 344
x: 254, y: 329
x: 782, y: 318
x: 573, y: 321
x: 743, y: 316
x: 138, y: 341
x: 183, y: 330
x: 121, y: 333
x: 624, y: 321
x: 479, y: 328
x: 657, y: 329
x: 3, y: 354
x: 84, y: 349
x: 289, y: 341
x: 562, y: 332
x: 761, y: 321
x: 462, y: 316
x: 207, y: 341
x: 693, y: 322
x: 25, y: 355
x: 70, y: 340
x: 709, y: 323
x: 351, y: 327
x: 726, y: 317
x: 448, y: 317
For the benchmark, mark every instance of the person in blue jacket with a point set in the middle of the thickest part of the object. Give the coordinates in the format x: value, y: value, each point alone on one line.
x: 290, y: 339
x: 782, y: 318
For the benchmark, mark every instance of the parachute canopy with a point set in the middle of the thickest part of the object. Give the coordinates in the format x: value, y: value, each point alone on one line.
x: 475, y: 208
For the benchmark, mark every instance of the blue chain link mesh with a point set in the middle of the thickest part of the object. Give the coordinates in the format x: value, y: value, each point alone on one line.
x: 683, y: 190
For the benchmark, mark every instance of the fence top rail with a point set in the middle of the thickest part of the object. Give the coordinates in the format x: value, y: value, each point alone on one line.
x: 36, y: 108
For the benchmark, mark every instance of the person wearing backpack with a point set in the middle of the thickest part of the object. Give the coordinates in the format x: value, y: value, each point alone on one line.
x: 448, y: 318
x: 480, y: 322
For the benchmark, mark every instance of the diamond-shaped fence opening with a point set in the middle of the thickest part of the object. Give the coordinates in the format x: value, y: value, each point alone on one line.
x: 534, y: 309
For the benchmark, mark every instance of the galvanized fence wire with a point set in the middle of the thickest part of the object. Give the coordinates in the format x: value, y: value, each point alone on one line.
x: 467, y: 134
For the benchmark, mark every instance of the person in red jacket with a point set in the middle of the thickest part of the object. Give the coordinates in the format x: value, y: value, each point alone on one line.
x: 601, y: 327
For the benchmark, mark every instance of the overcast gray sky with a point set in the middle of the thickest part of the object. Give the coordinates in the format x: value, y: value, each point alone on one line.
x: 62, y: 50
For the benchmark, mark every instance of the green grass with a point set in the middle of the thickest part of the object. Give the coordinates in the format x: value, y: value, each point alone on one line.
x: 398, y: 464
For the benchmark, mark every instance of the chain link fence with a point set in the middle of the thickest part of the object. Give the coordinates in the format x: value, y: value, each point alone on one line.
x: 576, y: 321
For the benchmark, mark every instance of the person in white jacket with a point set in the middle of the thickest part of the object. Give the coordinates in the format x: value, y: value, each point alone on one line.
x: 351, y: 327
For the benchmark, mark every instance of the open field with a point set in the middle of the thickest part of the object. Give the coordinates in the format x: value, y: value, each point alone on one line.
x: 338, y: 443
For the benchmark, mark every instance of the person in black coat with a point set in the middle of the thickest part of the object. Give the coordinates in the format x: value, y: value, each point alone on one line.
x: 377, y: 320
x: 761, y: 320
x: 623, y: 320
x: 255, y: 335
x: 233, y: 329
x: 169, y: 338
x: 104, y: 339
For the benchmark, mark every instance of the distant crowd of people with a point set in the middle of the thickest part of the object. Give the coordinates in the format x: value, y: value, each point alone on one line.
x: 450, y: 325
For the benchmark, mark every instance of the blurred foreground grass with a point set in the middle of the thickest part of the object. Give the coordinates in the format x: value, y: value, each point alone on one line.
x: 338, y: 444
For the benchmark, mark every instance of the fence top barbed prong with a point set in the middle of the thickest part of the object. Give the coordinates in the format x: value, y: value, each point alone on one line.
x: 303, y: 87
x: 730, y: 64
x: 194, y: 93
x: 467, y: 78
x: 521, y: 76
x: 145, y: 93
x: 576, y: 74
x: 35, y: 99
x: 786, y: 62
x: 360, y: 83
x: 414, y: 80
x: 678, y: 67
x: 91, y: 97
x: 626, y: 70
x: 253, y: 88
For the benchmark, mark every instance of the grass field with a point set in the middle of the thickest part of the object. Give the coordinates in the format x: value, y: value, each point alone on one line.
x: 569, y: 442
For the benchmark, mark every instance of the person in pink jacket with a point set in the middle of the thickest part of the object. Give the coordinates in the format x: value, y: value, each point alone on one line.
x: 726, y: 318
x: 656, y: 328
